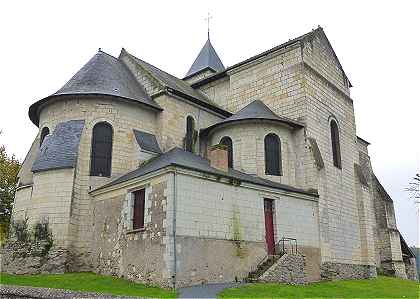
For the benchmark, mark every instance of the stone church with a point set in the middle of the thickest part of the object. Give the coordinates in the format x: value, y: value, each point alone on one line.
x: 176, y: 182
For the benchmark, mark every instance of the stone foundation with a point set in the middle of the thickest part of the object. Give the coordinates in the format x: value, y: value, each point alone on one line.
x: 411, y: 269
x: 33, y: 258
x: 338, y: 271
x: 290, y: 268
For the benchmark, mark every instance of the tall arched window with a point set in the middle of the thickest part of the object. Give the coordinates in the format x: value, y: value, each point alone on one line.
x: 101, y: 156
x: 189, y: 137
x: 45, y: 131
x: 272, y: 150
x: 335, y: 142
x: 226, y: 141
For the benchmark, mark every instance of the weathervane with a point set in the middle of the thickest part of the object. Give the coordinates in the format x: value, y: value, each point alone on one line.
x: 208, y: 24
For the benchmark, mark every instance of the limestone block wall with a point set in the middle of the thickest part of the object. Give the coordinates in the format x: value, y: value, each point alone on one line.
x: 276, y: 79
x: 171, y: 124
x: 48, y: 199
x: 124, y: 117
x: 225, y: 228
x: 248, y: 148
x: 141, y: 255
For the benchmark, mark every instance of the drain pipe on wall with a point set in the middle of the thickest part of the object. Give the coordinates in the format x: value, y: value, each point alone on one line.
x: 174, y: 229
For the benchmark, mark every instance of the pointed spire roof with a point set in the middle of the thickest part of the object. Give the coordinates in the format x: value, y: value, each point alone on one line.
x: 206, y: 59
x: 105, y: 75
x: 256, y: 110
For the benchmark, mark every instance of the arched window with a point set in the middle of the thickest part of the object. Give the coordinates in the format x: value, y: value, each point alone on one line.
x: 45, y: 131
x: 190, y: 135
x: 272, y: 150
x: 101, y: 156
x: 226, y: 141
x: 335, y: 142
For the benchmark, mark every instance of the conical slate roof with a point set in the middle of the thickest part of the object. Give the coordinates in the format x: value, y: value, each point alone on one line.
x: 256, y: 110
x: 102, y: 75
x: 206, y: 59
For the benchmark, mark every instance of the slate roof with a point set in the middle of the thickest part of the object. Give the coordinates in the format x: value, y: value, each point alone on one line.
x: 103, y: 74
x: 178, y: 86
x: 256, y: 110
x: 59, y: 149
x: 181, y: 158
x: 206, y: 59
x: 147, y: 141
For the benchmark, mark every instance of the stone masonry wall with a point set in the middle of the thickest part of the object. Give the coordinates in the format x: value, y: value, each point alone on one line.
x: 48, y: 199
x: 305, y: 81
x: 217, y: 220
x: 248, y: 149
x: 172, y: 121
x: 290, y: 269
x: 138, y: 255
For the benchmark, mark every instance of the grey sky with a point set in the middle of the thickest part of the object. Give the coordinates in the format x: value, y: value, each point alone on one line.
x: 43, y: 43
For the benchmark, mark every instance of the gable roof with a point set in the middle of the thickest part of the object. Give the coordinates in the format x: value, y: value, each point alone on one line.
x: 223, y: 73
x: 147, y: 141
x: 256, y: 110
x: 177, y: 86
x: 206, y: 59
x: 181, y: 158
x: 105, y: 75
x: 59, y: 150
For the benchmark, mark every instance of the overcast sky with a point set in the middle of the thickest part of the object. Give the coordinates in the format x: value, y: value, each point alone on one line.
x: 43, y: 43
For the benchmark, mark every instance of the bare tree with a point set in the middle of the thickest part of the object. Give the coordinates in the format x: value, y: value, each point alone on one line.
x: 414, y: 188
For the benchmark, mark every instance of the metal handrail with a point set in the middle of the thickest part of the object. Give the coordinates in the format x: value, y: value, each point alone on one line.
x: 285, y: 240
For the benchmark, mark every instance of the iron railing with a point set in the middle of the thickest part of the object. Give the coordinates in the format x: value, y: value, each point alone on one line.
x: 286, y: 245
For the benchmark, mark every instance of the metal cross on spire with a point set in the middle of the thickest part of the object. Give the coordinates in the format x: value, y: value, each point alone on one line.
x: 208, y: 24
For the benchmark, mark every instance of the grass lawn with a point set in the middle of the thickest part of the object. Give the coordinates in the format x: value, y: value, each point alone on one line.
x: 381, y: 287
x: 87, y: 282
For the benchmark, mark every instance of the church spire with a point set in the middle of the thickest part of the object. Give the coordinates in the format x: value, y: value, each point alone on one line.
x: 207, y: 59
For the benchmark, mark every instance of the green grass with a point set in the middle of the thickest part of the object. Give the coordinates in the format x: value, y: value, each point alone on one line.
x: 381, y: 287
x: 87, y: 282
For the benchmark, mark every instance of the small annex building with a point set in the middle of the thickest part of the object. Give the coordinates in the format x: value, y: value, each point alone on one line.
x: 176, y: 182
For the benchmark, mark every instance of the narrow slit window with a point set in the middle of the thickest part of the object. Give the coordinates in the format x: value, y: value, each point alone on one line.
x: 227, y: 141
x: 44, y: 133
x: 335, y: 142
x: 189, y: 137
x: 272, y: 151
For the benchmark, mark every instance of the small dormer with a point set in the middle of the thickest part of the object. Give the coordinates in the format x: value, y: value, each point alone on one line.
x: 206, y: 64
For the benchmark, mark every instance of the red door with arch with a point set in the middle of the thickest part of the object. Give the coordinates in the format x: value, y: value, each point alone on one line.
x: 269, y: 226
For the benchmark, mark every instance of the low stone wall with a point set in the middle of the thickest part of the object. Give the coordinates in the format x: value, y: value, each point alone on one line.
x: 12, y: 292
x: 290, y: 268
x: 337, y: 271
x: 33, y: 258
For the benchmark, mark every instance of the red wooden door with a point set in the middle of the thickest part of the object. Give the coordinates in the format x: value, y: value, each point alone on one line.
x: 269, y: 227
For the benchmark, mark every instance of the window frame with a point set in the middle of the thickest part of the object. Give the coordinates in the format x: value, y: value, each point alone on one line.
x: 93, y: 159
x: 44, y: 133
x: 270, y: 153
x: 229, y: 149
x: 189, y: 133
x: 335, y: 143
x: 138, y: 215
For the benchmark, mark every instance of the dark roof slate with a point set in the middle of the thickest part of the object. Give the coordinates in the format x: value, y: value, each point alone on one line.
x: 103, y: 74
x: 181, y: 158
x: 147, y: 141
x: 178, y: 86
x: 206, y: 59
x: 256, y: 110
x: 59, y: 149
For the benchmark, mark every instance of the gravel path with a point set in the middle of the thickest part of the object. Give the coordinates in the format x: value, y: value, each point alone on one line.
x: 13, y: 292
x: 205, y: 291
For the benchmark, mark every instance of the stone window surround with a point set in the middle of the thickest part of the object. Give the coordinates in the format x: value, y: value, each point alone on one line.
x: 131, y: 209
